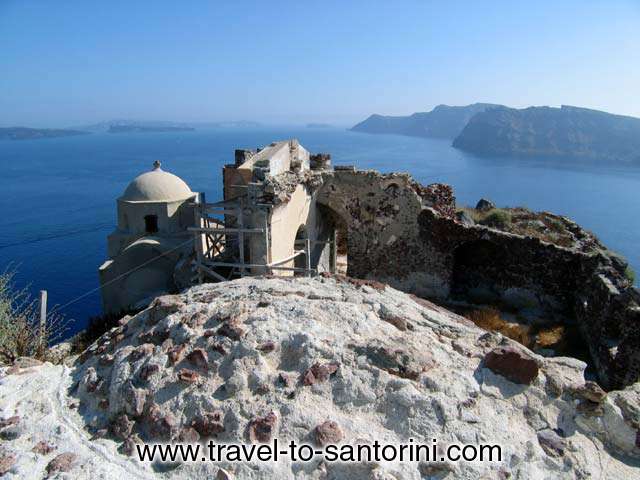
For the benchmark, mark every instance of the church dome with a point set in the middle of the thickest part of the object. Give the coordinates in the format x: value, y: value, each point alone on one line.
x: 157, y: 186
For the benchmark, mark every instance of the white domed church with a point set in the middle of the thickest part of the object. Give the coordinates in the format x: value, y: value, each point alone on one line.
x: 151, y: 238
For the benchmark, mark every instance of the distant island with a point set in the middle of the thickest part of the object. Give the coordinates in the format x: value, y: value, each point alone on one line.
x: 142, y: 129
x: 24, y: 133
x: 566, y: 132
x: 544, y: 132
x: 124, y: 125
x: 319, y: 125
x: 443, y: 121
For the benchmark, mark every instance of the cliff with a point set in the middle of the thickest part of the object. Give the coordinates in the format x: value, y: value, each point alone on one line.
x: 566, y: 132
x: 442, y: 122
x: 329, y: 359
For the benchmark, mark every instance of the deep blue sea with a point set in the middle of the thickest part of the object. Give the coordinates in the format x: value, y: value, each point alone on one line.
x: 58, y: 196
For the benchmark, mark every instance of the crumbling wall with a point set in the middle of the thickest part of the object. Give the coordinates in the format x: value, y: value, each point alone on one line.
x: 383, y: 237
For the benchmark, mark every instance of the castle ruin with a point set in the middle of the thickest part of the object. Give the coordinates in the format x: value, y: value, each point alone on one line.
x: 288, y: 212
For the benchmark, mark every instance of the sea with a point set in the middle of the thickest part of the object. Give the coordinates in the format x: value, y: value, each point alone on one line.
x: 58, y: 196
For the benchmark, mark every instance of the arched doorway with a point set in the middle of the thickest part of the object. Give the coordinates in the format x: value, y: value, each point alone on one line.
x: 299, y: 243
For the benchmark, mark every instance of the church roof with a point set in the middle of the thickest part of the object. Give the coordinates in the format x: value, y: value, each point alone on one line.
x: 157, y: 186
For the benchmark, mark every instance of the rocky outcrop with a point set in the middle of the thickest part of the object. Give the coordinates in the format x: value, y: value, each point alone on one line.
x: 319, y: 362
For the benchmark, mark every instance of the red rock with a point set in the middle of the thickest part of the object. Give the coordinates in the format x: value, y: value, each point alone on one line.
x: 5, y: 422
x: 7, y: 460
x: 188, y: 376
x: 148, y: 370
x: 144, y: 350
x: 161, y: 426
x: 262, y: 429
x: 591, y: 391
x: 209, y: 424
x: 155, y: 336
x: 328, y: 432
x: 319, y: 373
x: 218, y: 347
x: 266, y: 347
x: 208, y: 333
x: 189, y: 435
x: 121, y: 426
x: 43, y: 448
x: 176, y: 353
x: 62, y: 463
x: 199, y: 358
x: 231, y: 329
x: 513, y: 364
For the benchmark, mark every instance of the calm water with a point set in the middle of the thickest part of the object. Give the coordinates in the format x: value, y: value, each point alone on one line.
x: 57, y: 196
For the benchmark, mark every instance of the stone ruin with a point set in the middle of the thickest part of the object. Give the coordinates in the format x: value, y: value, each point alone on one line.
x: 288, y: 212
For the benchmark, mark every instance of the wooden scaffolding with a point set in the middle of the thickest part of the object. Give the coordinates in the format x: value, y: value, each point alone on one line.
x: 220, y: 244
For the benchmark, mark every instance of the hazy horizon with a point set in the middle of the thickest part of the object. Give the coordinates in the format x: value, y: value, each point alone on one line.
x: 289, y: 63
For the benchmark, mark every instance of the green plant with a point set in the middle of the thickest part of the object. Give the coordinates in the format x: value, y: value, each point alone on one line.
x: 630, y: 275
x: 20, y: 334
x: 497, y: 218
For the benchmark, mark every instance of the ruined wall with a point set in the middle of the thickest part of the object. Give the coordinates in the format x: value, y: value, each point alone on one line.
x: 383, y: 236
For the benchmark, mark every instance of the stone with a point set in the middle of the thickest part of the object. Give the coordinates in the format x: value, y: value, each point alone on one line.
x: 189, y: 435
x: 231, y: 329
x: 6, y: 422
x: 121, y: 426
x: 43, y: 448
x: 162, y: 426
x: 223, y: 475
x: 128, y: 447
x: 209, y: 424
x: 590, y: 409
x: 162, y: 307
x: 513, y: 364
x: 199, y: 358
x: 134, y: 400
x: 176, y: 353
x: 262, y: 429
x: 144, y: 350
x: 188, y: 376
x: 485, y: 205
x: 149, y: 370
x: 328, y: 432
x: 62, y: 463
x: 7, y: 461
x: 590, y: 391
x: 266, y: 347
x: 552, y: 443
x: 318, y: 373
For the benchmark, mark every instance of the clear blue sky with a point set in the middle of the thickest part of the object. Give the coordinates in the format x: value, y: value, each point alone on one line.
x: 70, y: 62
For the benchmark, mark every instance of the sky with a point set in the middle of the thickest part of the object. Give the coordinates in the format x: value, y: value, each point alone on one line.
x: 73, y: 62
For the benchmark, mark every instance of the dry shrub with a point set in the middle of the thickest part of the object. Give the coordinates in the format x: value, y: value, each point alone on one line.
x: 552, y: 337
x: 20, y: 334
x: 489, y: 319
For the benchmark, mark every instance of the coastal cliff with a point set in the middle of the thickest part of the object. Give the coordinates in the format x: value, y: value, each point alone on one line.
x: 443, y: 121
x: 566, y: 132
